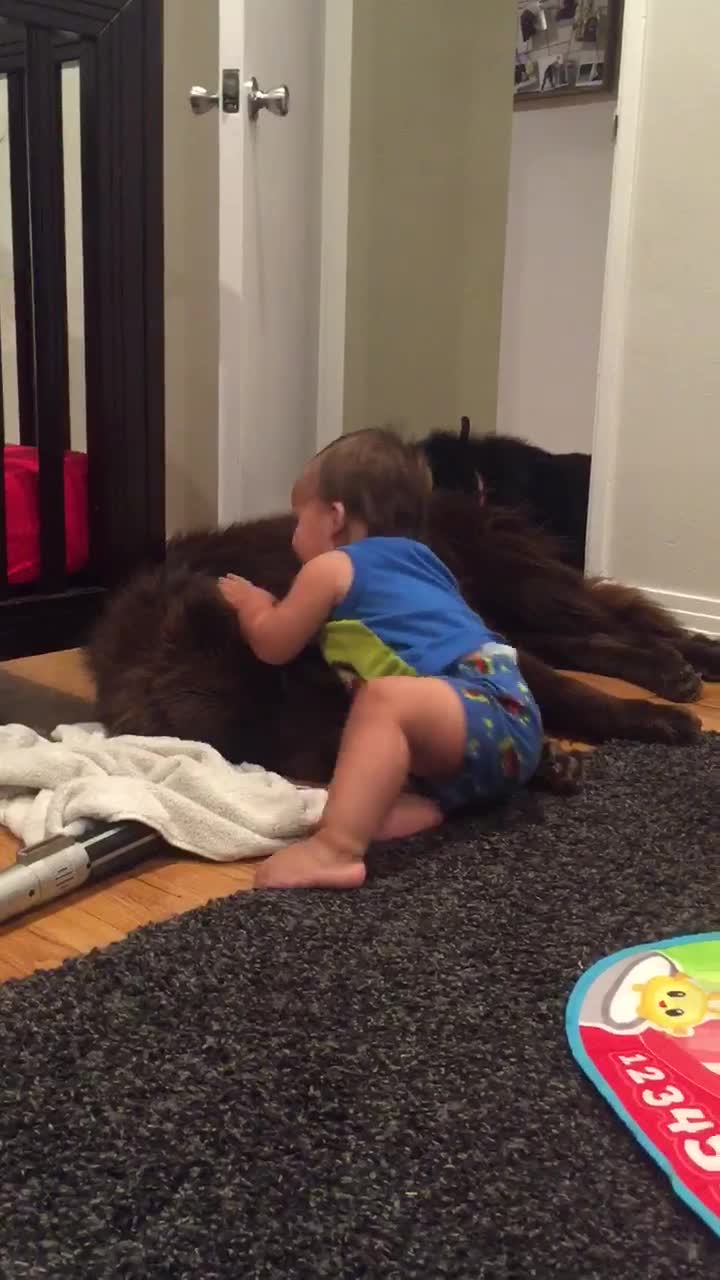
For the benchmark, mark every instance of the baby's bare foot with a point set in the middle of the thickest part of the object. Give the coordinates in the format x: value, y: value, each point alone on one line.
x: 310, y: 864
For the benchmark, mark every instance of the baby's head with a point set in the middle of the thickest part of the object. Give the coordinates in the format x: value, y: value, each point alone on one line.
x: 366, y: 484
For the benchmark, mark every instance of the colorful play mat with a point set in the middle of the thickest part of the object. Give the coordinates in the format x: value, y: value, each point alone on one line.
x: 644, y: 1024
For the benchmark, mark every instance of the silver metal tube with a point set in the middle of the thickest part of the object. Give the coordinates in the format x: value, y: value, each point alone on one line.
x: 30, y: 884
x: 57, y: 866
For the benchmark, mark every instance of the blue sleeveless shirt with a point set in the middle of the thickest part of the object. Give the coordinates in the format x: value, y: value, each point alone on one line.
x: 403, y: 614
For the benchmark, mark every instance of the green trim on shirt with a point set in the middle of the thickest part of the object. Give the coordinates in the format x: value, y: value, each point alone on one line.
x: 350, y: 643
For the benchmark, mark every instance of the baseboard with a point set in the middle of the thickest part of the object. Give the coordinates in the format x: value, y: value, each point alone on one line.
x: 695, y: 613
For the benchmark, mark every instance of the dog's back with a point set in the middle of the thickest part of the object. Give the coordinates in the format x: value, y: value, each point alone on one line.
x: 168, y: 658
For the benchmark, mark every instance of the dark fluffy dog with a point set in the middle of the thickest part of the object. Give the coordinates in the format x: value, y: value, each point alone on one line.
x: 551, y: 489
x: 168, y: 657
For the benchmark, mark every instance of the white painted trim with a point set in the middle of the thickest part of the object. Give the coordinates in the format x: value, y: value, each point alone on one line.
x: 232, y: 142
x: 614, y: 309
x: 696, y: 613
x: 334, y: 218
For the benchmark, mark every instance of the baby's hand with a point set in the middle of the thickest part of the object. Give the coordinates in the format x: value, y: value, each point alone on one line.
x: 241, y: 594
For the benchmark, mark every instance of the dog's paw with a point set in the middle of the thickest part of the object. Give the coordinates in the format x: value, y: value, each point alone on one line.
x: 561, y: 770
x: 704, y: 654
x: 648, y: 722
x: 674, y: 678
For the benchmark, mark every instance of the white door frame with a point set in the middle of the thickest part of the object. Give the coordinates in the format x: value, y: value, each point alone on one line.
x: 611, y: 358
x: 231, y: 230
x: 337, y: 91
x: 270, y: 236
x: 335, y: 180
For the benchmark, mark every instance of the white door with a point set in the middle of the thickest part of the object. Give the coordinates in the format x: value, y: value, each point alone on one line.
x: 270, y: 225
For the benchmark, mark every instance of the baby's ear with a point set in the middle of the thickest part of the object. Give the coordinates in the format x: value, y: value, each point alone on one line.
x: 339, y: 516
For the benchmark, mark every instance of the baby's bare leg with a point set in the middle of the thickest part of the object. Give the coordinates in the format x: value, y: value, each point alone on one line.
x: 409, y: 815
x: 397, y: 725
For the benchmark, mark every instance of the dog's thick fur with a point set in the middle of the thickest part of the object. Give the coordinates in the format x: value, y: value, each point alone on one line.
x: 551, y: 489
x: 168, y: 657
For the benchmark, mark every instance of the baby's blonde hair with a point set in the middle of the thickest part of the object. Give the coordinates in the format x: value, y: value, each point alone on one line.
x: 381, y: 480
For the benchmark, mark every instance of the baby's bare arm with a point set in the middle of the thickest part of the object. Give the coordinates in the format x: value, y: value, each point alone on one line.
x: 277, y: 632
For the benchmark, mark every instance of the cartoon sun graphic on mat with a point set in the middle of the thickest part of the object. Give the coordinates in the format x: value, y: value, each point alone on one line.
x: 483, y: 665
x: 675, y: 1004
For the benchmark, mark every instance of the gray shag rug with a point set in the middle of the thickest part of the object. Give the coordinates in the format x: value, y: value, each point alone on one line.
x: 375, y: 1084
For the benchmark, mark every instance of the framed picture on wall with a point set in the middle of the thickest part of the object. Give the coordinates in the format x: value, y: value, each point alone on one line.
x: 566, y: 48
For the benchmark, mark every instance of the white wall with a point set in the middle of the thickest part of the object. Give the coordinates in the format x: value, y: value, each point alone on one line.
x: 72, y: 185
x: 655, y: 515
x: 559, y: 198
x: 430, y: 124
x: 191, y: 267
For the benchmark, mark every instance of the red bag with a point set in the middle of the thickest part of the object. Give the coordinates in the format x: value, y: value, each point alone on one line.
x: 22, y: 508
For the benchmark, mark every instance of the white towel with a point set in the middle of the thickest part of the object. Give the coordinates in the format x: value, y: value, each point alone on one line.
x: 186, y: 791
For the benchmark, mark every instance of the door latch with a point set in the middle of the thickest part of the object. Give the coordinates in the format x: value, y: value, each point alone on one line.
x: 201, y: 101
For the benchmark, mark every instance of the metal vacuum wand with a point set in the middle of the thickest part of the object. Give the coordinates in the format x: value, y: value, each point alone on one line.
x: 56, y: 866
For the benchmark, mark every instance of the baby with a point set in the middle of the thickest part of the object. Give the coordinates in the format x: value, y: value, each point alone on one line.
x: 439, y: 700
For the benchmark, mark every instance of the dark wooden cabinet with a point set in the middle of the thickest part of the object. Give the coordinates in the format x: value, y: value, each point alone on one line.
x: 116, y: 46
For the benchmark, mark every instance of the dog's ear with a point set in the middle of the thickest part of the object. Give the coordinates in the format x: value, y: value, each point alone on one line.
x: 464, y: 430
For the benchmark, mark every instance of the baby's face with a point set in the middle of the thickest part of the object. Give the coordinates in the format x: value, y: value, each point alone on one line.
x: 316, y: 522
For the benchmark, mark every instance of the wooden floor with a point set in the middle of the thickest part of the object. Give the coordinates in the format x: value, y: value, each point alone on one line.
x: 163, y: 887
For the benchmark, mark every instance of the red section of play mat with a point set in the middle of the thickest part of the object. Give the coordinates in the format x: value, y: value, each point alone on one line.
x: 668, y: 1088
x: 22, y: 513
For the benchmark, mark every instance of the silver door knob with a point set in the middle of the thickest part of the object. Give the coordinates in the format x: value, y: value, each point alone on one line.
x: 276, y: 101
x: 201, y: 100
